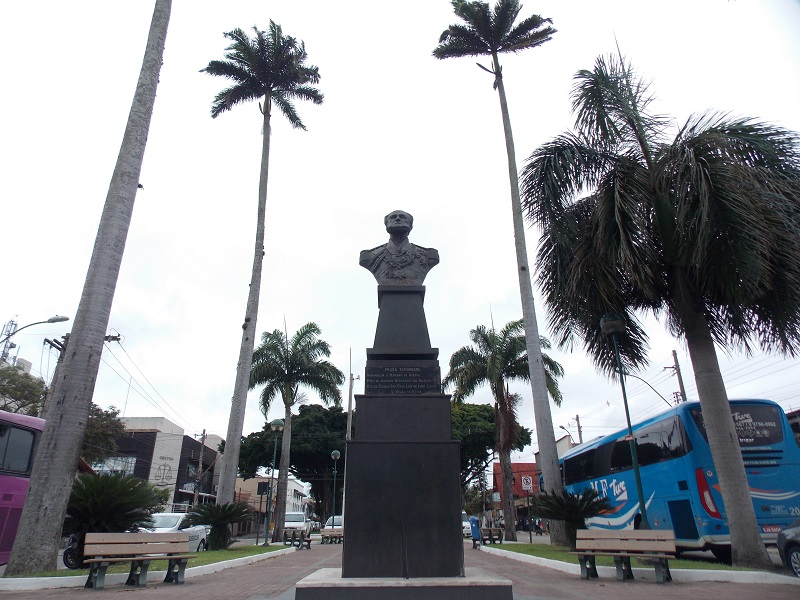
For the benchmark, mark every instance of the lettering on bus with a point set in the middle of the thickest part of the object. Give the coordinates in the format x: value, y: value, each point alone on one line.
x: 618, y: 490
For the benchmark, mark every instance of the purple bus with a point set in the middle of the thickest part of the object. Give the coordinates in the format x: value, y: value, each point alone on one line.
x: 19, y: 436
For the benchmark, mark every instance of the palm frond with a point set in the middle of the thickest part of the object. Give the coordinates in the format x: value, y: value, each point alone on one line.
x: 269, y: 65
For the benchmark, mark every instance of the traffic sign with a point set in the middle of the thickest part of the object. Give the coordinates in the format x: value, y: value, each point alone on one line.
x: 527, y: 483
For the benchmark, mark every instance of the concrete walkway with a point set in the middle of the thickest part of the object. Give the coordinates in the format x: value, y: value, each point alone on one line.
x: 274, y: 579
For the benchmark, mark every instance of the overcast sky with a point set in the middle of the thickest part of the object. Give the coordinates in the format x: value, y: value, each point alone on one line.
x: 398, y: 130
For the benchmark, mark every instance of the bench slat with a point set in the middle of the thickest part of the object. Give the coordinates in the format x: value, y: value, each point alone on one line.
x: 136, y: 538
x: 626, y: 545
x: 638, y: 534
x: 135, y: 549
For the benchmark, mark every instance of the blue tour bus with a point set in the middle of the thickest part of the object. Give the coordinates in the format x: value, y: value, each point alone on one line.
x: 679, y: 480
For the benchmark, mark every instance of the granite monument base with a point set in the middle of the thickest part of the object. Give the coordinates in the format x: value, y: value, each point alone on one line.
x: 403, y: 512
x: 477, y: 584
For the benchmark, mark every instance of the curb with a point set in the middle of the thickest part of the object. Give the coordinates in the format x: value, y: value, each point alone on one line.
x: 688, y: 575
x: 43, y: 583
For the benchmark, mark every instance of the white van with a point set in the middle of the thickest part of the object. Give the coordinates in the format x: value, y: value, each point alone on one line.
x: 297, y: 521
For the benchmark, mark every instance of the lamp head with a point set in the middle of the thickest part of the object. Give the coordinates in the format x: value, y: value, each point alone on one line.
x: 335, y: 455
x: 612, y: 323
x: 57, y: 319
x: 276, y: 425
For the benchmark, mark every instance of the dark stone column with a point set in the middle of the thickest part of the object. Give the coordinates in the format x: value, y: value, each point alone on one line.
x: 403, y: 504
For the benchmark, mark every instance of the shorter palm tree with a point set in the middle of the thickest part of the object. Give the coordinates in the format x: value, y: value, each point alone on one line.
x: 220, y: 517
x: 110, y: 504
x: 282, y: 366
x: 496, y: 358
x: 573, y: 509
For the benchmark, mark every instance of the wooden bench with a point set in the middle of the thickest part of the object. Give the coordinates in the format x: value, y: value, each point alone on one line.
x: 332, y: 536
x: 102, y: 549
x: 296, y: 537
x: 491, y: 535
x: 655, y: 545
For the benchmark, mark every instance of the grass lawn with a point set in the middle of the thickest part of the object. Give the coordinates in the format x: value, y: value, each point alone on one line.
x: 562, y: 553
x: 203, y: 558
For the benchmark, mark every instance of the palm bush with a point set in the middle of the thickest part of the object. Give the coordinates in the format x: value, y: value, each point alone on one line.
x: 573, y: 509
x: 220, y: 517
x: 110, y: 504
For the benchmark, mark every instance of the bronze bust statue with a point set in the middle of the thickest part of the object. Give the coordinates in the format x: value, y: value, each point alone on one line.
x: 399, y: 262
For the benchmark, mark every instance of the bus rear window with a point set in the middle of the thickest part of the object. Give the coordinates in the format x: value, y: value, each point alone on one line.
x: 756, y: 424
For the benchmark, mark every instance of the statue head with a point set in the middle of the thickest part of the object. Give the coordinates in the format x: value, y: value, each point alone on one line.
x: 399, y: 221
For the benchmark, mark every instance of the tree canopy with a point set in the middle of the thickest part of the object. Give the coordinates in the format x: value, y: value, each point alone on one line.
x: 701, y: 228
x: 20, y: 392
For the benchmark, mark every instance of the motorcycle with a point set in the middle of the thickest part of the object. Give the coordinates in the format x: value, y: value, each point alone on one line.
x: 72, y: 556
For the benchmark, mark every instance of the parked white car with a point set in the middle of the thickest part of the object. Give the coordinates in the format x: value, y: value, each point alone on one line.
x: 297, y: 521
x: 335, y: 523
x: 198, y: 534
x: 466, y: 528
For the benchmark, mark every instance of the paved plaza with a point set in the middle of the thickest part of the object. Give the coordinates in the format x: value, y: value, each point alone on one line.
x: 275, y: 578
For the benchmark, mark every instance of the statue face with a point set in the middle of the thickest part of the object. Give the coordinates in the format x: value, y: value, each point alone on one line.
x: 398, y: 221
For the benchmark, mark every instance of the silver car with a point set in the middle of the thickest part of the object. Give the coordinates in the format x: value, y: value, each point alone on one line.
x: 789, y: 547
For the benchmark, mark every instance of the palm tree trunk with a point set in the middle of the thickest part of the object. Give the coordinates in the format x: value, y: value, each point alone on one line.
x: 281, y: 492
x: 747, y: 548
x: 505, y: 419
x: 39, y: 534
x: 233, y: 441
x: 548, y: 454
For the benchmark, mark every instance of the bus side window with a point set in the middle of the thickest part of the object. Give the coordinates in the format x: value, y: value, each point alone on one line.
x: 16, y: 449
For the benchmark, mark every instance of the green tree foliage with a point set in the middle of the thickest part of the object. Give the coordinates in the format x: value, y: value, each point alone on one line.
x: 318, y: 431
x: 220, y: 517
x: 20, y: 392
x: 572, y: 509
x: 702, y: 229
x: 102, y: 431
x: 474, y: 426
x: 110, y: 504
x: 270, y: 67
x: 283, y: 365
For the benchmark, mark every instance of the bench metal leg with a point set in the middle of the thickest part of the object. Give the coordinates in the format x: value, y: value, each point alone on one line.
x: 176, y: 570
x: 138, y: 573
x: 623, y: 565
x: 588, y: 567
x: 97, y: 575
x: 662, y: 570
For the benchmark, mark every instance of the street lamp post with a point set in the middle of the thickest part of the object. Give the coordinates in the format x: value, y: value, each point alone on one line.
x: 53, y: 319
x: 277, y: 427
x: 571, y: 439
x: 612, y: 325
x: 335, y: 456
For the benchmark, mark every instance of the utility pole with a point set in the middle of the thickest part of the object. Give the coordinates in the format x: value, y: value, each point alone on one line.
x: 677, y: 368
x: 349, y: 435
x: 580, y: 431
x: 60, y: 346
x: 199, y: 470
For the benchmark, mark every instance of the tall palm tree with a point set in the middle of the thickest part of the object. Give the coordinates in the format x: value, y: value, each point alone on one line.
x: 269, y: 67
x: 283, y: 366
x: 494, y: 359
x: 702, y: 229
x: 39, y: 535
x: 487, y: 32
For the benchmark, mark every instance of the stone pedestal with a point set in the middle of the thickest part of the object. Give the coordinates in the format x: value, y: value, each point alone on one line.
x: 477, y: 584
x: 402, y: 516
